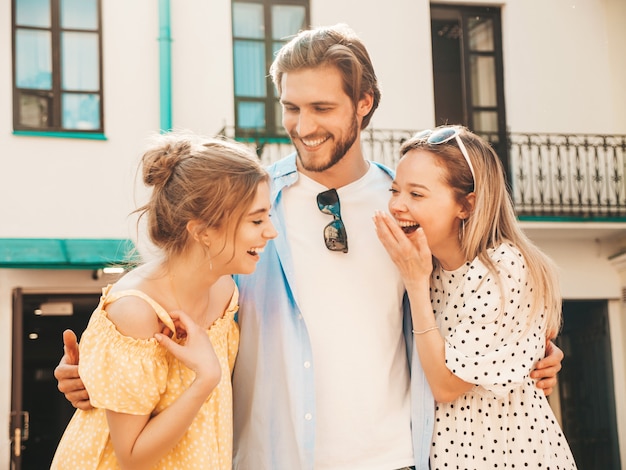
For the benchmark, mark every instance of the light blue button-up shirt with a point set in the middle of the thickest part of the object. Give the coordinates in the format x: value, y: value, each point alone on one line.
x: 273, y: 392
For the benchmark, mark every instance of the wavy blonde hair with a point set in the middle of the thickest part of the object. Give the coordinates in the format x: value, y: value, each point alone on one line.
x: 492, y: 220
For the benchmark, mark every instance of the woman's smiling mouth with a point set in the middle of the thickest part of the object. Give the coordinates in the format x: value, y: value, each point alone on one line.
x: 408, y: 227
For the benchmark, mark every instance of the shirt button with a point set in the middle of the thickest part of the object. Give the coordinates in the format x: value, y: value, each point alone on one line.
x: 308, y: 416
x: 307, y: 364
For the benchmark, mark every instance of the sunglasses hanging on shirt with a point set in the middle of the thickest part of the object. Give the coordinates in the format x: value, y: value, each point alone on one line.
x: 335, y: 235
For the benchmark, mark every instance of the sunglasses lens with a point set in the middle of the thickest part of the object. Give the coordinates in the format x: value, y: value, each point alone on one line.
x: 445, y: 134
x: 442, y: 135
x: 328, y: 198
x: 328, y: 202
x: 336, y: 237
x: 422, y: 134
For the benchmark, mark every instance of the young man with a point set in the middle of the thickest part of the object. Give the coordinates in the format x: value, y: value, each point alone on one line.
x: 326, y: 376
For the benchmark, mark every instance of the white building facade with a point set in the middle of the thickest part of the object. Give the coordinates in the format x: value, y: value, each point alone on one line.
x: 86, y: 83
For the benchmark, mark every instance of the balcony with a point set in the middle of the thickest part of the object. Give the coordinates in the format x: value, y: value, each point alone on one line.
x: 579, y: 177
x: 553, y: 177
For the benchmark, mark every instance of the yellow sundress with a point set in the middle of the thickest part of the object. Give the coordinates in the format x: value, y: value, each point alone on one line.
x: 138, y: 376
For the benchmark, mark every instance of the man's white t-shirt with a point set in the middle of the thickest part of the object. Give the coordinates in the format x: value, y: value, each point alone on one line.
x: 352, y: 306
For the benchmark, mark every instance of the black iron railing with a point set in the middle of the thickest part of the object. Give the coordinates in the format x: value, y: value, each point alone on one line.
x: 568, y: 175
x: 564, y: 176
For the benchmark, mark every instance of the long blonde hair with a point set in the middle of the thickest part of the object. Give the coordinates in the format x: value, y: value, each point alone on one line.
x: 492, y: 221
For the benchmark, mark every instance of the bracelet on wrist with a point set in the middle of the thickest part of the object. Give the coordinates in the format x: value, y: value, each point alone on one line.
x: 425, y: 331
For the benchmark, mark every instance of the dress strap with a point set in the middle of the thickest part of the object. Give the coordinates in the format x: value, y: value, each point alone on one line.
x: 109, y: 297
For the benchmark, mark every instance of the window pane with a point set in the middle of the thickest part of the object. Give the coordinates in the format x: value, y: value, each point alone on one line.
x: 485, y: 121
x: 248, y: 20
x: 33, y: 13
x: 80, y: 61
x: 251, y: 115
x: 33, y: 61
x: 287, y: 20
x: 34, y: 111
x: 480, y: 34
x: 79, y: 14
x: 276, y: 46
x: 258, y: 26
x: 81, y: 111
x: 250, y: 70
x: 483, y: 72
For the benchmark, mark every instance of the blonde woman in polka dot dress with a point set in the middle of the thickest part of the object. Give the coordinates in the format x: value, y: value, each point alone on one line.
x: 495, y: 299
x: 157, y: 355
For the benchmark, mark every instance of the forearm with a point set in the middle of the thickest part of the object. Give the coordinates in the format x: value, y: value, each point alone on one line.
x: 161, y: 432
x: 430, y: 345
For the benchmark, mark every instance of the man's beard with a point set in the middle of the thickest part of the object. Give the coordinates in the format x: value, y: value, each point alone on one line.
x: 340, y: 150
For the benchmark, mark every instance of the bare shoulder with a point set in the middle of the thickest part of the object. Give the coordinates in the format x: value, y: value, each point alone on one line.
x: 222, y: 293
x: 132, y: 315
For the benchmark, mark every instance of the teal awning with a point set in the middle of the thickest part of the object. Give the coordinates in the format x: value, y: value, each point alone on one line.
x: 69, y: 253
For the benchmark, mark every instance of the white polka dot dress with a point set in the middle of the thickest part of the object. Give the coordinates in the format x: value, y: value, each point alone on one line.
x: 135, y: 376
x: 504, y: 422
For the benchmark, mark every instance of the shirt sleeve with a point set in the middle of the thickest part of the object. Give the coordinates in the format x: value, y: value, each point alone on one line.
x: 494, y: 345
x: 121, y: 373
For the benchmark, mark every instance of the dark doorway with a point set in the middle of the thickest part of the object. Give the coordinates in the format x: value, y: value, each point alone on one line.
x: 39, y: 411
x: 468, y: 71
x: 586, y: 385
x: 448, y: 71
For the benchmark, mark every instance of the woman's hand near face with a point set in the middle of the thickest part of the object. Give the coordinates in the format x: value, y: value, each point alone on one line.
x: 412, y: 255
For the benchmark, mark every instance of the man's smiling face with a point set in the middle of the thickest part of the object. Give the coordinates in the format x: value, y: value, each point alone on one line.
x: 319, y: 116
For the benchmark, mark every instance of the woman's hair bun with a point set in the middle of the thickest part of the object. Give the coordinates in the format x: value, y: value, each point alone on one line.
x: 161, y: 160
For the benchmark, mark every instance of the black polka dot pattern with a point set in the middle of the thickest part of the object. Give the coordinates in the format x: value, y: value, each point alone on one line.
x: 504, y: 421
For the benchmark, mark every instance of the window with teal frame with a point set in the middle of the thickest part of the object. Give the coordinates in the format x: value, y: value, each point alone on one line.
x: 260, y: 28
x: 57, y: 66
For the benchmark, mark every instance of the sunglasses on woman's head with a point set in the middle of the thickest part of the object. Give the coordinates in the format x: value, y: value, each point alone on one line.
x: 335, y: 235
x: 442, y: 135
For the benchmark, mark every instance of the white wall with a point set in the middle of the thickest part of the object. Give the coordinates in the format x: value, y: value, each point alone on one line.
x: 202, y: 59
x: 616, y: 38
x: 585, y: 272
x: 561, y: 66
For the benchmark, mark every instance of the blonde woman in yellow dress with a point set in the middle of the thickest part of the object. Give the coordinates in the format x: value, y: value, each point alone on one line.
x: 157, y: 355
